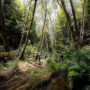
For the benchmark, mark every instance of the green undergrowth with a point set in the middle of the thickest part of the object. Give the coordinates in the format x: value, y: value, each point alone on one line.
x: 78, y: 63
x: 30, y: 49
x: 37, y: 77
x: 57, y: 67
x: 1, y: 66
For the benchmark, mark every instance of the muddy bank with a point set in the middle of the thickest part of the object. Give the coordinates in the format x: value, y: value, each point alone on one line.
x: 57, y: 81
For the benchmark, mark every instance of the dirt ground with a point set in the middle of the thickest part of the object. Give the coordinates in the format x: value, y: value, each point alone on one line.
x: 24, y: 68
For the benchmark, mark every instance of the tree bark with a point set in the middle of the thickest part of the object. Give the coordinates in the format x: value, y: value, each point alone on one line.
x: 3, y: 35
x: 28, y: 30
x: 75, y: 25
x: 24, y: 23
x: 82, y: 23
x: 72, y: 35
x: 47, y: 48
x: 41, y: 39
x: 53, y: 30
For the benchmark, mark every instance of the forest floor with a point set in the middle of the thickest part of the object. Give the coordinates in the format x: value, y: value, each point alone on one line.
x: 24, y: 67
x: 27, y: 66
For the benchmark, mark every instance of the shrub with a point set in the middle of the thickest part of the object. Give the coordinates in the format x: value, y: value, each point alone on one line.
x: 49, y: 60
x: 56, y: 66
x: 56, y: 56
x: 1, y: 66
x: 79, y: 64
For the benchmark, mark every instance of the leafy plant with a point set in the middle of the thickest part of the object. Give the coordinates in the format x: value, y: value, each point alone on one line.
x: 79, y: 64
x: 1, y: 66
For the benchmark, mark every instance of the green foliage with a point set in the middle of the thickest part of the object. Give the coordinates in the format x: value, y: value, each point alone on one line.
x: 87, y: 88
x: 57, y: 66
x: 49, y: 60
x: 15, y: 20
x: 73, y: 74
x: 35, y: 72
x: 30, y: 49
x: 78, y: 63
x: 1, y: 66
x: 87, y: 23
x: 61, y: 31
x: 87, y: 8
x: 75, y: 68
x: 54, y: 66
x: 14, y: 54
x: 12, y: 64
x: 63, y: 67
x: 56, y: 56
x: 69, y: 52
x: 37, y: 77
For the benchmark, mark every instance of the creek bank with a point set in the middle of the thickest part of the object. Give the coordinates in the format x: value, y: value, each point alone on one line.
x: 57, y: 81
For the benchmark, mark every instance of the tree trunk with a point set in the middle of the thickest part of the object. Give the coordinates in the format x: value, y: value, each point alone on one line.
x: 24, y: 23
x: 3, y: 35
x: 41, y: 39
x: 72, y: 35
x: 28, y: 30
x: 46, y: 39
x: 82, y: 24
x: 53, y: 30
x: 75, y: 25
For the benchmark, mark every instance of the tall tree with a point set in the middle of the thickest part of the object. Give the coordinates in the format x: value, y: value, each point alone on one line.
x: 75, y: 25
x: 33, y: 13
x: 68, y: 19
x: 74, y: 33
x: 42, y: 37
x: 25, y: 19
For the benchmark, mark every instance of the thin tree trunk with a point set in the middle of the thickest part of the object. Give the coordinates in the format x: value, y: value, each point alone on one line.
x: 82, y: 24
x: 24, y: 23
x: 4, y: 35
x: 47, y: 44
x: 41, y: 39
x: 28, y: 30
x: 53, y: 32
x: 59, y: 4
